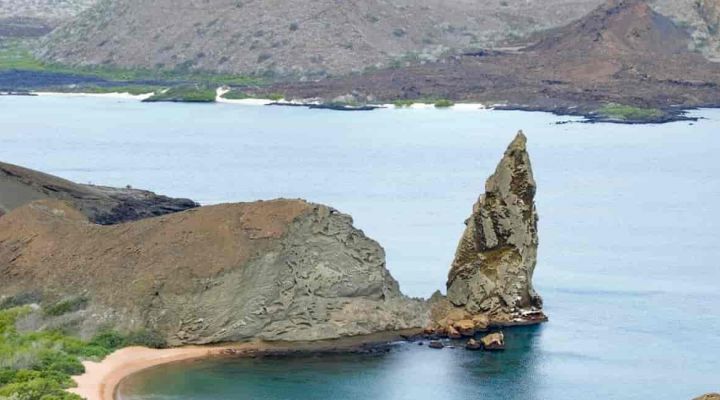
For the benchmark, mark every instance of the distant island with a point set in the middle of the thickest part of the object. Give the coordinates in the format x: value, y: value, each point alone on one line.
x: 621, y: 61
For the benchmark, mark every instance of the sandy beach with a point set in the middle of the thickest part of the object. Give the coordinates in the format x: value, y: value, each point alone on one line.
x: 123, y: 96
x: 102, y: 378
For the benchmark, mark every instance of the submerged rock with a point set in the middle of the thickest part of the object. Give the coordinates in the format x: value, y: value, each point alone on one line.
x: 493, y: 341
x: 491, y: 275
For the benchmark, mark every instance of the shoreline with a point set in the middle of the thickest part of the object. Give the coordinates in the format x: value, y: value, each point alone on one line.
x: 575, y: 114
x: 101, y: 380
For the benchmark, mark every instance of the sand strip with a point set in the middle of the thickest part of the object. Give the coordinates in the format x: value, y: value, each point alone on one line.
x: 101, y: 379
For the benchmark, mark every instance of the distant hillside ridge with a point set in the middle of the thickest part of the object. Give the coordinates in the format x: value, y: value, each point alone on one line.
x: 300, y: 38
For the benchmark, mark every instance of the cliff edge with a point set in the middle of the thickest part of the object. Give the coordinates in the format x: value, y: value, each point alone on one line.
x: 272, y: 270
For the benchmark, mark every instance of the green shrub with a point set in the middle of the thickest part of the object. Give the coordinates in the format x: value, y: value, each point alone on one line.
x: 236, y: 95
x: 110, y: 340
x: 53, y: 360
x: 444, y: 103
x: 629, y: 113
x: 66, y: 306
x: 39, y: 365
x: 146, y: 338
x: 20, y: 300
x: 403, y: 103
x: 276, y: 96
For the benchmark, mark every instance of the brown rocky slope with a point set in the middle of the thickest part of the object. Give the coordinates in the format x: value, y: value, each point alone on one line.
x: 623, y: 52
x: 276, y: 270
x: 301, y: 38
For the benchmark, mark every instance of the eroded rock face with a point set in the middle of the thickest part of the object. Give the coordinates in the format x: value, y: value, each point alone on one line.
x: 495, y: 260
x: 274, y: 270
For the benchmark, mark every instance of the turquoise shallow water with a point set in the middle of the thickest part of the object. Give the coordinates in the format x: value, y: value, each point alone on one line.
x: 628, y: 222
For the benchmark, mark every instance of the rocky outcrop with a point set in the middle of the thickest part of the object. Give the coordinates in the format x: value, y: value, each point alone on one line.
x: 101, y: 204
x: 274, y: 270
x: 495, y: 260
x: 490, y: 280
x: 710, y: 396
x: 493, y: 341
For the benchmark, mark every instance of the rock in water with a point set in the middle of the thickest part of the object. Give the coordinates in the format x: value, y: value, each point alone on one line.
x: 711, y: 396
x: 493, y: 341
x: 495, y: 260
x: 436, y: 344
x: 473, y: 344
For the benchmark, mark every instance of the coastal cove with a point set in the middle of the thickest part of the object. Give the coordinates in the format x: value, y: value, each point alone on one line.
x: 627, y: 229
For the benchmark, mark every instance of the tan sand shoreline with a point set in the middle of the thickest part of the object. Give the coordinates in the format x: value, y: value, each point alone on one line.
x: 101, y: 379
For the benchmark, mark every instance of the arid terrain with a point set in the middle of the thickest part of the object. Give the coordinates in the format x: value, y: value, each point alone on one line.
x: 319, y: 38
x: 32, y: 18
x: 623, y: 52
x: 619, y: 60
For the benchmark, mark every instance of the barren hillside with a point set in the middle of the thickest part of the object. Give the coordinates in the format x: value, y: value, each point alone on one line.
x: 23, y: 18
x: 622, y: 52
x: 304, y: 37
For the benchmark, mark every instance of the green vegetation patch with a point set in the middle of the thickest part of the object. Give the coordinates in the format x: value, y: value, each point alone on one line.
x: 444, y: 103
x: 629, y: 113
x: 235, y: 94
x: 38, y: 365
x: 134, y: 90
x: 16, y: 55
x: 184, y: 95
x: 403, y: 103
x: 20, y: 300
x: 65, y: 306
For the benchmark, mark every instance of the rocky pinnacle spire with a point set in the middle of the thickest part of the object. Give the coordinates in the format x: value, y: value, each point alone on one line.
x: 495, y: 259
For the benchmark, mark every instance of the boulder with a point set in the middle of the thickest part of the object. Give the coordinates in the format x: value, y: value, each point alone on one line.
x: 473, y: 344
x: 436, y: 344
x: 493, y: 341
x: 481, y: 322
x: 453, y: 333
x: 710, y: 396
x: 466, y: 327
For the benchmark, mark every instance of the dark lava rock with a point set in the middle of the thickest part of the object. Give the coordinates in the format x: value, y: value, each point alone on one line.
x: 101, y: 204
x: 436, y: 344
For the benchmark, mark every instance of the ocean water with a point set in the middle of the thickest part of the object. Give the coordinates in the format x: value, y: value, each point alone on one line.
x: 628, y: 260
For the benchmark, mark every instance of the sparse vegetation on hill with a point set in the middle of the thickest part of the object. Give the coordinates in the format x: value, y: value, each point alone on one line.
x: 304, y: 38
x: 16, y: 55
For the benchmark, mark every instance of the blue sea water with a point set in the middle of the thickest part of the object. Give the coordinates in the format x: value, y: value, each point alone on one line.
x: 628, y: 261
